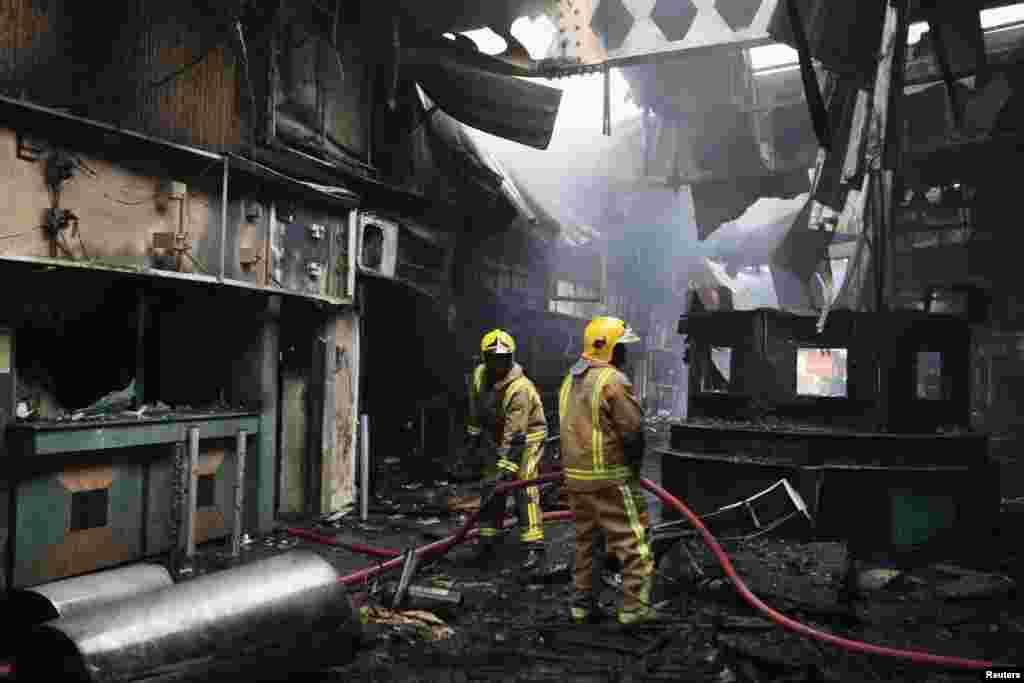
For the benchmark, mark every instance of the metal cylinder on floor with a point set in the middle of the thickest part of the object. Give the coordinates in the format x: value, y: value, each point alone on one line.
x: 31, y: 606
x: 271, y: 618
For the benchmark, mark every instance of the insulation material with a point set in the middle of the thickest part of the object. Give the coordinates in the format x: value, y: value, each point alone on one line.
x: 715, y: 203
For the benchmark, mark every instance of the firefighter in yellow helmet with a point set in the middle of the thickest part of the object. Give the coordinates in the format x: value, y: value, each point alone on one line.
x: 506, y: 410
x: 602, y: 452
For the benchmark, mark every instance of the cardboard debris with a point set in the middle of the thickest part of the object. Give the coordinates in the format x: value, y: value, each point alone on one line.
x: 429, y: 625
x: 464, y: 504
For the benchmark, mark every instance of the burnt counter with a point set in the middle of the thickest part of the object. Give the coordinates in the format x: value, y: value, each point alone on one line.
x: 867, y: 416
x: 813, y: 445
x: 94, y: 493
x: 53, y: 437
x: 900, y: 499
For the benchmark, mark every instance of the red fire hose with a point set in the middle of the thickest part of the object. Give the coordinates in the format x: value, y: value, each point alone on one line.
x: 464, y: 532
x: 796, y: 626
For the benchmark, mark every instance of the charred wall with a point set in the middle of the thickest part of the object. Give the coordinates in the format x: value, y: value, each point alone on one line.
x: 167, y: 69
x: 117, y: 206
x: 34, y: 39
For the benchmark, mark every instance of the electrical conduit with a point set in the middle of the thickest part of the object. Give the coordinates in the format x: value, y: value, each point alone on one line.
x: 466, y: 531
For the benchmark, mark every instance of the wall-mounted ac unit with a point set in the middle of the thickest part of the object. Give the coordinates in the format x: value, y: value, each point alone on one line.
x: 377, y: 250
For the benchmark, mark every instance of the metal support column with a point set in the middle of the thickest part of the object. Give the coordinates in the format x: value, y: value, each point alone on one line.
x: 236, y: 521
x: 223, y: 219
x: 364, y: 474
x: 187, y: 538
x: 263, y: 467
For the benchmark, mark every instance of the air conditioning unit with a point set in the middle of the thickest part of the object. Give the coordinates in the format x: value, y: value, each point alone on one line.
x: 377, y: 249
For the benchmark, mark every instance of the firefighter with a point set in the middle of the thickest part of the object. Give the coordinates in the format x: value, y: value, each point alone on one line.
x: 602, y: 453
x: 505, y: 408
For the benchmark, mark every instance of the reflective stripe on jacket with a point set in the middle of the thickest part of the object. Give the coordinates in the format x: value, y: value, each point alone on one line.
x: 597, y: 408
x: 510, y: 407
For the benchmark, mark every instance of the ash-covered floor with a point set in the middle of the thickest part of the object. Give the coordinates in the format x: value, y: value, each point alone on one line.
x: 509, y: 628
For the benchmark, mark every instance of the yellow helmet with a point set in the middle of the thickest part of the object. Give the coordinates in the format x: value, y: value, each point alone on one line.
x: 498, y: 342
x: 602, y: 335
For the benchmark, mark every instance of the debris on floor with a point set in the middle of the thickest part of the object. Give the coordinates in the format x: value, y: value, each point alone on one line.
x: 426, y: 625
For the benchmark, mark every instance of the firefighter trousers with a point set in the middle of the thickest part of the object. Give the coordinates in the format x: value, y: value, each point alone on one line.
x: 531, y: 523
x: 621, y: 512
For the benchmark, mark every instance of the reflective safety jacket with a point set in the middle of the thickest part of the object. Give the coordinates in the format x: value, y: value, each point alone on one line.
x: 597, y: 409
x: 510, y: 407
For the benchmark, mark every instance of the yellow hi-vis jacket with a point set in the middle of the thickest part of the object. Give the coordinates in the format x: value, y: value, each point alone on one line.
x: 597, y: 408
x: 510, y: 407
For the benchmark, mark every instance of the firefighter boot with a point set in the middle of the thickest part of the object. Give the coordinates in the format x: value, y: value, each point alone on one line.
x: 534, y: 561
x: 584, y: 609
x: 642, y: 613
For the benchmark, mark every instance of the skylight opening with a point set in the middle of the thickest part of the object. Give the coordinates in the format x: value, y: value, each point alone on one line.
x: 489, y: 42
x: 536, y: 35
x: 778, y: 57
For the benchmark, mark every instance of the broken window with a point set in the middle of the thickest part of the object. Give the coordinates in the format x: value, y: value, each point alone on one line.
x: 89, y: 509
x: 574, y: 299
x: 373, y: 247
x: 718, y: 371
x: 929, y: 375
x: 821, y: 372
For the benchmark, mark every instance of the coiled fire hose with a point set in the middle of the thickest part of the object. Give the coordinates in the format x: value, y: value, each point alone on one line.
x: 466, y: 531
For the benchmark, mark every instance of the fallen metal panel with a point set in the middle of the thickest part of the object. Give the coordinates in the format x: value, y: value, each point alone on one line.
x: 289, y: 611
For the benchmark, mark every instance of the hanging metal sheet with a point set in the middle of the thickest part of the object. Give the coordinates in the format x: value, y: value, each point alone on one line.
x: 268, y: 618
x: 512, y: 108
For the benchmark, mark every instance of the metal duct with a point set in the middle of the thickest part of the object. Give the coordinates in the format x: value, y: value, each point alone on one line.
x: 69, y: 597
x: 266, y: 619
